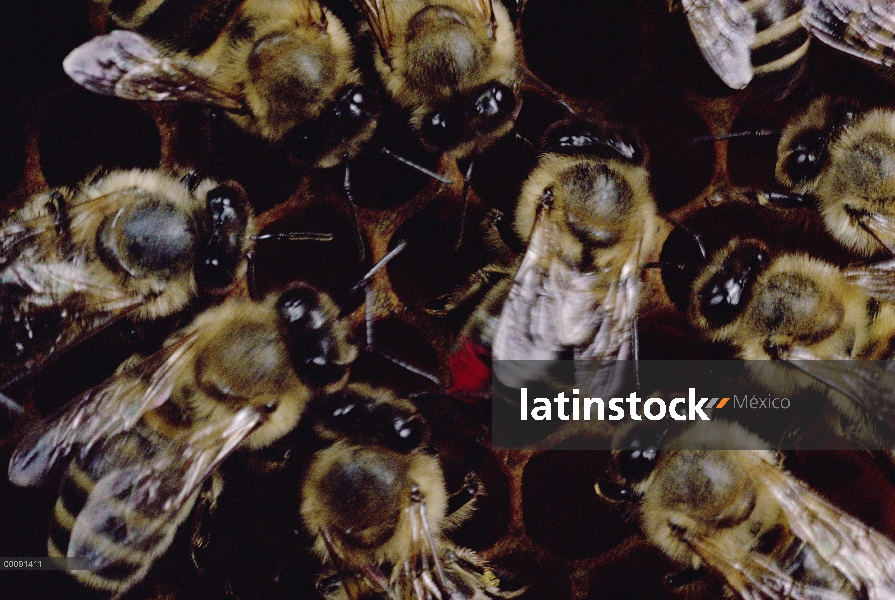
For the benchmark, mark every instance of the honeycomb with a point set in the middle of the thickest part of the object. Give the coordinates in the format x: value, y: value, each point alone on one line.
x: 540, y: 522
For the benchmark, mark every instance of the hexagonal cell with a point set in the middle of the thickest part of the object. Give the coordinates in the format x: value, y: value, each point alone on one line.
x: 679, y: 169
x: 583, y: 48
x: 332, y: 266
x: 563, y: 512
x: 430, y: 267
x: 85, y: 132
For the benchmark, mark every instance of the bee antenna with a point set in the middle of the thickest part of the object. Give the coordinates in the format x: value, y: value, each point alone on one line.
x: 466, y: 182
x: 546, y: 90
x: 365, y: 280
x: 418, y: 167
x: 736, y: 134
x: 295, y: 236
x: 368, y: 313
x: 693, y: 234
x: 359, y: 236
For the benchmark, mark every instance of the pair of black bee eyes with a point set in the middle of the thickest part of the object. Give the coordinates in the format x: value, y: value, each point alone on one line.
x: 389, y: 425
x: 490, y: 109
x: 309, y: 141
x: 309, y: 336
x: 612, y: 143
x: 810, y: 148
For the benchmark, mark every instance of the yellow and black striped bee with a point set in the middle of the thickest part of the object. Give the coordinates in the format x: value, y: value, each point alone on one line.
x: 772, y: 307
x: 375, y: 501
x: 146, y: 441
x: 589, y: 218
x: 741, y: 41
x: 282, y: 70
x: 839, y: 160
x: 451, y: 65
x: 767, y: 40
x: 714, y: 498
x: 140, y: 244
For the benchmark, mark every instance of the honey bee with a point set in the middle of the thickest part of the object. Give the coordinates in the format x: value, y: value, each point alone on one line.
x: 282, y: 70
x: 741, y: 515
x: 769, y: 39
x: 589, y: 219
x: 451, y: 65
x: 839, y: 160
x: 140, y: 244
x: 742, y: 41
x: 145, y: 441
x: 768, y: 307
x: 864, y: 29
x: 376, y: 503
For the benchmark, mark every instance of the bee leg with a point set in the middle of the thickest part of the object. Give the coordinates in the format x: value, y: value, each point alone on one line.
x: 685, y: 577
x: 461, y: 504
x: 466, y: 180
x: 418, y: 167
x: 346, y: 187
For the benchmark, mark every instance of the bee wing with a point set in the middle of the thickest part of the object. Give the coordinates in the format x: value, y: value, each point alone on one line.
x: 863, y: 555
x: 70, y: 326
x: 552, y: 307
x: 756, y: 577
x: 862, y: 28
x: 110, y: 408
x: 377, y: 15
x: 132, y: 505
x: 868, y: 384
x: 877, y: 279
x: 127, y: 65
x: 724, y: 30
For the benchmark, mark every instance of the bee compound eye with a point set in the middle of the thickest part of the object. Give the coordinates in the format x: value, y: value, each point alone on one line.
x: 804, y: 162
x: 351, y: 105
x: 726, y: 293
x: 636, y: 464
x: 220, y: 256
x: 437, y: 130
x: 408, y: 433
x: 494, y: 106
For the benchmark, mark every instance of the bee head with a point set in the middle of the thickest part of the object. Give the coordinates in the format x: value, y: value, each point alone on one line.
x: 483, y: 112
x: 726, y: 288
x: 316, y: 340
x: 804, y: 145
x: 605, y: 141
x: 314, y: 142
x: 228, y: 215
x: 376, y: 416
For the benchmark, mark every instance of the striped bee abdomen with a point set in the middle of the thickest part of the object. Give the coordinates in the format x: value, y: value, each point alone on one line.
x: 120, y: 539
x: 190, y: 25
x: 780, y: 46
